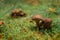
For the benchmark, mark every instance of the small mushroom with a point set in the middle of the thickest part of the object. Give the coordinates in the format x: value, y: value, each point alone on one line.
x: 1, y: 23
x: 37, y: 19
x: 15, y: 13
x: 46, y: 22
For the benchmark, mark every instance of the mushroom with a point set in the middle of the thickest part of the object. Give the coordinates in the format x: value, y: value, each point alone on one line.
x: 1, y: 23
x: 15, y: 13
x: 46, y: 23
x: 37, y: 19
x: 20, y: 12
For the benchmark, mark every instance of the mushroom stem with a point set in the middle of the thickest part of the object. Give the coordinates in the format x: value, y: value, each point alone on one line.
x: 37, y: 23
x: 37, y: 19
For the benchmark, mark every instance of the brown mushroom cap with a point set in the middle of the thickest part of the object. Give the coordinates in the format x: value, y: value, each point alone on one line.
x: 36, y: 17
x: 48, y: 20
x: 16, y: 11
x: 1, y: 23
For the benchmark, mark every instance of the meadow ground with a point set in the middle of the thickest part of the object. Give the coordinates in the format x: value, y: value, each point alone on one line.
x: 21, y: 28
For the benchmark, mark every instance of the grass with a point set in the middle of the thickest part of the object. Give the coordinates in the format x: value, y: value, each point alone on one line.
x: 21, y: 28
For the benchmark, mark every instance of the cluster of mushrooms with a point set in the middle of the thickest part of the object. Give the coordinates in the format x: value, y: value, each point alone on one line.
x: 17, y: 12
x: 41, y: 22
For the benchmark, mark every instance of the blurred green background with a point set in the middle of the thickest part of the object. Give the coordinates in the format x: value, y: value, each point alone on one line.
x: 21, y: 28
